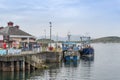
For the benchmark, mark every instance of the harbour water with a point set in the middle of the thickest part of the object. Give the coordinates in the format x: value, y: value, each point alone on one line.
x: 104, y: 66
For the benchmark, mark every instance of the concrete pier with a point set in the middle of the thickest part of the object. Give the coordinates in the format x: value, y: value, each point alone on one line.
x: 28, y: 61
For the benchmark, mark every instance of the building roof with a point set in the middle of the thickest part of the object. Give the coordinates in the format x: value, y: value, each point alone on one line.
x: 13, y: 31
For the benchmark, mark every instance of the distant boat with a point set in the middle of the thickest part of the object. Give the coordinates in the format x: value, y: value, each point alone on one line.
x: 87, y: 52
x: 86, y: 49
x: 70, y: 51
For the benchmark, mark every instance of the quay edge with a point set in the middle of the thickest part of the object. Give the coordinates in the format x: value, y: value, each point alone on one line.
x: 29, y: 61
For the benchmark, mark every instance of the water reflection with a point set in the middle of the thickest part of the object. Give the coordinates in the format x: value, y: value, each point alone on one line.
x: 12, y: 76
x: 71, y: 63
x: 90, y: 59
x: 87, y: 68
x: 54, y: 71
x: 20, y: 75
x: 47, y: 74
x: 6, y: 76
x: 59, y: 71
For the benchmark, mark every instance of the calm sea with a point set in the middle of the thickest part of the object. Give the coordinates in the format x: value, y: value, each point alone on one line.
x: 104, y: 66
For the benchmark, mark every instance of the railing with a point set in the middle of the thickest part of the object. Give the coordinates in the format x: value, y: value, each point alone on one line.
x: 3, y: 52
x: 13, y: 51
x: 10, y: 51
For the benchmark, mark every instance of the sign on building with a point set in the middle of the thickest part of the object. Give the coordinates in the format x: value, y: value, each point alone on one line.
x: 1, y: 37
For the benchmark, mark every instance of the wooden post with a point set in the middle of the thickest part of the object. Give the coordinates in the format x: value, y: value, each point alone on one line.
x: 0, y: 66
x: 17, y: 66
x: 12, y: 66
x: 3, y: 66
x: 22, y: 65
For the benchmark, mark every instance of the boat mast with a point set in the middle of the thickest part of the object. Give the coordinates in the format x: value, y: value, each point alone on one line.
x: 69, y: 35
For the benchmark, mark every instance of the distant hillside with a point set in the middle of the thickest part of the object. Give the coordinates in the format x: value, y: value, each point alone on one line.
x: 44, y: 40
x: 110, y: 39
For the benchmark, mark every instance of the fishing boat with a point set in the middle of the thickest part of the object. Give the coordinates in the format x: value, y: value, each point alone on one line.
x: 86, y: 49
x: 70, y: 51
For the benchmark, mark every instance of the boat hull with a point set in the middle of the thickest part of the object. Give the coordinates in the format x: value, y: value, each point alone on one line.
x: 87, y: 52
x: 71, y: 58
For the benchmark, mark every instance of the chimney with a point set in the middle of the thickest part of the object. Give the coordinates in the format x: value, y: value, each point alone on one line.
x: 17, y: 26
x: 10, y: 24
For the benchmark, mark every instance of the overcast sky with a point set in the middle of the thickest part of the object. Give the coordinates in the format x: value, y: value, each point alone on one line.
x: 97, y: 18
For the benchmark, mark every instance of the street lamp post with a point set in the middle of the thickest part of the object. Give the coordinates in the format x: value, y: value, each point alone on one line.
x: 50, y: 32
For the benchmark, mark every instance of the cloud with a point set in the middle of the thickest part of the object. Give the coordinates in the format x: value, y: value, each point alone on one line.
x: 77, y: 16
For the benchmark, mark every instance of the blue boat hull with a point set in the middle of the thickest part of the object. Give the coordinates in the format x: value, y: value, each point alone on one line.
x: 75, y: 58
x: 67, y: 58
x: 87, y: 52
x: 71, y: 58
